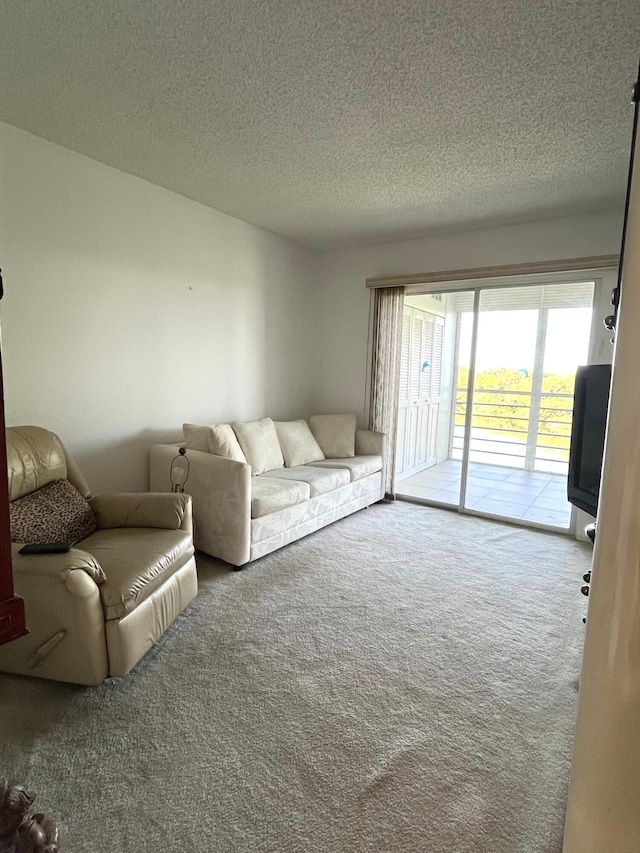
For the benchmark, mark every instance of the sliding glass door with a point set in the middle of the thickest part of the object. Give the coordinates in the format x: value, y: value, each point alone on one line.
x: 485, y: 416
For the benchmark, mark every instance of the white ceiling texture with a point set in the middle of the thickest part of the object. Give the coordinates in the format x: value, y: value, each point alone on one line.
x: 338, y: 122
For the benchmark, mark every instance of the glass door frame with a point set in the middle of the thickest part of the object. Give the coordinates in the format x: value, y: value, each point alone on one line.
x: 468, y: 419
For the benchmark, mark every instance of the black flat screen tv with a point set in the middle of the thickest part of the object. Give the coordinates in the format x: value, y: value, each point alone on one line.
x: 590, y: 407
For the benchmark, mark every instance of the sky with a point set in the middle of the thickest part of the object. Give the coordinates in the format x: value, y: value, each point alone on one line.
x: 508, y: 339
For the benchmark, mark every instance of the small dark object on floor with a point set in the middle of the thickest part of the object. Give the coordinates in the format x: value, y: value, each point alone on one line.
x: 20, y: 830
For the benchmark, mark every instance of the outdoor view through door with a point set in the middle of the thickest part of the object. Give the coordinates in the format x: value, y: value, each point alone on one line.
x: 486, y: 394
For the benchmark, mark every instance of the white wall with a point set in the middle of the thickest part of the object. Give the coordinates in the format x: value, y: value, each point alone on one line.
x: 129, y: 309
x: 344, y: 302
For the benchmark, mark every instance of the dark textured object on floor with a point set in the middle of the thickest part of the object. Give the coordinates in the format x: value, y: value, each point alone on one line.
x: 20, y: 830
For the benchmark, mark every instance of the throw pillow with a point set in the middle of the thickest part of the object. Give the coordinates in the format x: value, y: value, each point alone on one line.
x: 336, y: 434
x: 218, y: 439
x: 223, y: 442
x: 298, y: 445
x: 196, y: 437
x: 260, y: 445
x: 55, y: 513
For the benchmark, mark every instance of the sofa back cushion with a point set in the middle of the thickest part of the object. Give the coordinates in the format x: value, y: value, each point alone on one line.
x: 196, y: 437
x: 297, y: 443
x: 336, y: 434
x: 223, y: 442
x: 260, y: 445
x: 218, y: 439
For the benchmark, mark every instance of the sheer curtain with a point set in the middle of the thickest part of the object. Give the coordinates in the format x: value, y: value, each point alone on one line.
x: 388, y: 306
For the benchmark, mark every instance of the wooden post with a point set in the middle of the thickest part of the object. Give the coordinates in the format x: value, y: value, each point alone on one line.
x: 12, y: 621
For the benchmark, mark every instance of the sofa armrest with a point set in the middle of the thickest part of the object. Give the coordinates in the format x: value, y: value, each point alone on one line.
x: 370, y: 443
x: 165, y: 511
x: 221, y: 492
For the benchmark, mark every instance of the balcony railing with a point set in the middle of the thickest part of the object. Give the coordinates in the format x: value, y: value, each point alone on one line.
x: 511, y: 428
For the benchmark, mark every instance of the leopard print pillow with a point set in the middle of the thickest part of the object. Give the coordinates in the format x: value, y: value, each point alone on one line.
x: 55, y: 513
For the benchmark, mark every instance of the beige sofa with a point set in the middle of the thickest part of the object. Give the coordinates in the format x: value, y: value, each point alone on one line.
x: 259, y: 485
x: 95, y: 610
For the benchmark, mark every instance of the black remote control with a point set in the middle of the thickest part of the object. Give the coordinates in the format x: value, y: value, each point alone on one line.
x: 46, y: 548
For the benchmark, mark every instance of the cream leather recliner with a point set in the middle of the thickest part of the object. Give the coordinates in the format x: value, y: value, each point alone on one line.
x: 95, y: 610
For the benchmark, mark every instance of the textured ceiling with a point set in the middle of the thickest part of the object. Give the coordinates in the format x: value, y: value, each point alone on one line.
x: 338, y: 122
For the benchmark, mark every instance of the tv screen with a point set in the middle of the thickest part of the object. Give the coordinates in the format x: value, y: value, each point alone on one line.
x: 590, y: 406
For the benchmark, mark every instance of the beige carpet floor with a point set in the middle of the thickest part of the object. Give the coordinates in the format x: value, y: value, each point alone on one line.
x: 404, y: 681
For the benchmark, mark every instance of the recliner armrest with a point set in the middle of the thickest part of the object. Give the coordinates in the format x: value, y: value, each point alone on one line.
x: 168, y: 511
x: 50, y: 565
x: 64, y: 615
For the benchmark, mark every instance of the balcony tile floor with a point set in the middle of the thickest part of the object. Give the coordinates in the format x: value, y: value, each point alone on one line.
x: 511, y: 492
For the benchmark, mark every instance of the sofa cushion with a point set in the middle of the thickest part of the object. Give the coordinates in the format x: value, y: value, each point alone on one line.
x: 270, y: 495
x: 223, y: 442
x: 320, y: 480
x: 260, y: 445
x: 196, y: 437
x: 297, y: 443
x: 358, y: 466
x: 136, y: 561
x: 55, y: 513
x: 336, y: 434
x: 219, y: 439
